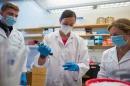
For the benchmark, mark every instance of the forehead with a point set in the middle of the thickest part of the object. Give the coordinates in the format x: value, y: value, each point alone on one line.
x: 115, y: 30
x: 69, y: 19
x: 10, y: 10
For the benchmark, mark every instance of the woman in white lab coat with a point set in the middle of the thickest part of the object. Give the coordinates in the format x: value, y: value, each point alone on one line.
x: 115, y: 62
x: 68, y: 63
x: 12, y: 47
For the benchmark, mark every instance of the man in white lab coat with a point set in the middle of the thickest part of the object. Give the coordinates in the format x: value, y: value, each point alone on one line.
x: 115, y: 62
x: 64, y: 54
x: 13, y: 45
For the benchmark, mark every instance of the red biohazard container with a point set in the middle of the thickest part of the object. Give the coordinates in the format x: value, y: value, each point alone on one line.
x: 94, y: 81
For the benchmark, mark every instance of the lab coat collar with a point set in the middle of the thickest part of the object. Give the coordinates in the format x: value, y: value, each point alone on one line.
x: 70, y: 39
x: 7, y: 29
x: 126, y: 57
x: 60, y: 39
x: 114, y: 54
x: 2, y: 33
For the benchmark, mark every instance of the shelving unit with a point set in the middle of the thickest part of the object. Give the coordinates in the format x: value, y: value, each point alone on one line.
x: 99, y: 47
x: 82, y: 26
x: 90, y: 35
x: 32, y: 34
x: 37, y: 33
x: 91, y: 26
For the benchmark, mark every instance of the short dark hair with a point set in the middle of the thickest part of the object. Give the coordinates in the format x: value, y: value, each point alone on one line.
x: 67, y: 13
x: 122, y: 24
x: 9, y: 5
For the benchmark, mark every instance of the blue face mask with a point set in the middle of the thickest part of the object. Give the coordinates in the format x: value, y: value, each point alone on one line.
x: 10, y: 20
x: 118, y: 40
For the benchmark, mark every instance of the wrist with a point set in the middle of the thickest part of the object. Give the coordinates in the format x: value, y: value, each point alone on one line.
x: 41, y: 61
x: 42, y: 56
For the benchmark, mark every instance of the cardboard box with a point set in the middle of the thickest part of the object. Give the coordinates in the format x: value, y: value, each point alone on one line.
x: 37, y: 70
x: 38, y: 76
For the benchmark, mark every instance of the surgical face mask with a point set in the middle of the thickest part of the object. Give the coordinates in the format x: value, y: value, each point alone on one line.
x: 9, y: 20
x: 118, y: 40
x: 66, y: 29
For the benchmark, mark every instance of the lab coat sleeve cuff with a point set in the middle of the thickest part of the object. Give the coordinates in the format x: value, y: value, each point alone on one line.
x: 83, y: 68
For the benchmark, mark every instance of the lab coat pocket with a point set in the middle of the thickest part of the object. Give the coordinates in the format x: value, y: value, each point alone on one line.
x: 110, y: 67
x: 11, y: 56
x: 71, y: 76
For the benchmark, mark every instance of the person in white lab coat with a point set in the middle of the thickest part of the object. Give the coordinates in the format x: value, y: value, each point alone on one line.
x: 64, y: 54
x: 116, y: 60
x: 15, y: 50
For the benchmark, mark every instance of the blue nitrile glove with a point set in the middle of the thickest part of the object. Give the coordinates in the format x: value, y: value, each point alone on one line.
x: 23, y: 79
x: 71, y: 66
x: 44, y: 50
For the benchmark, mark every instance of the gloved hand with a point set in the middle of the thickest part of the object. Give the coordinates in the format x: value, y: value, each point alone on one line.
x: 71, y: 66
x: 23, y: 79
x: 44, y: 49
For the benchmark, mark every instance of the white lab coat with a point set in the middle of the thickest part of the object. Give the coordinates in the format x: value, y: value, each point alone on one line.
x: 74, y: 50
x: 14, y: 57
x: 114, y: 69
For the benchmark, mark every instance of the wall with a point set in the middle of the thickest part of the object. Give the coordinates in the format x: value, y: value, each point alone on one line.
x: 120, y: 12
x: 34, y: 15
x: 90, y: 16
x: 30, y: 15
